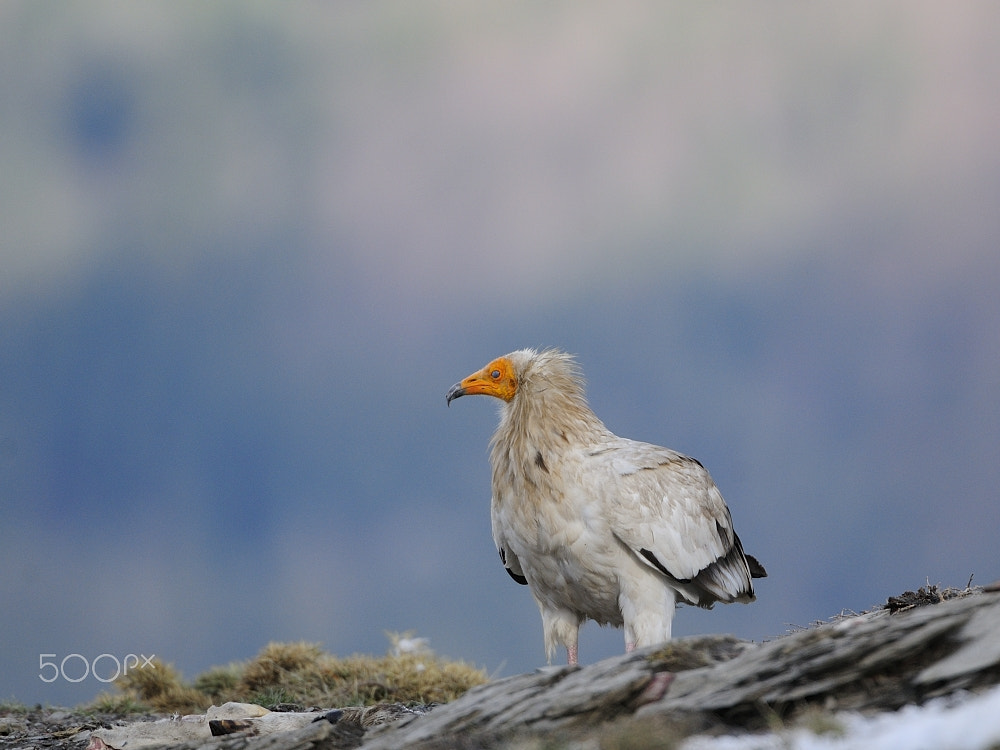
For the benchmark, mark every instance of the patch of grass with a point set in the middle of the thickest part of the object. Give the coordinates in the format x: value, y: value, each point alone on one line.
x: 159, y: 686
x: 402, y: 678
x: 272, y: 698
x: 219, y: 682
x: 279, y: 662
x: 118, y: 704
x: 303, y: 674
x: 12, y: 706
x: 309, y: 676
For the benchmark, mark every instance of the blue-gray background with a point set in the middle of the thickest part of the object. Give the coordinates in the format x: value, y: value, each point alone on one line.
x: 246, y: 248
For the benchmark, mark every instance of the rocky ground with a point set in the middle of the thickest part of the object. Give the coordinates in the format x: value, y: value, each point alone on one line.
x: 922, y: 646
x: 38, y: 728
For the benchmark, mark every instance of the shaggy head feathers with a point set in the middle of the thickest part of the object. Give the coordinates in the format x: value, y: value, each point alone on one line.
x: 550, y: 392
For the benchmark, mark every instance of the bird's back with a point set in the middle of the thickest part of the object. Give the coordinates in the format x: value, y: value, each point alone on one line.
x: 665, y: 507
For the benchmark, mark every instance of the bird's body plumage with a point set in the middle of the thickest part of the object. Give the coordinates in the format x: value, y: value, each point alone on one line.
x: 600, y: 527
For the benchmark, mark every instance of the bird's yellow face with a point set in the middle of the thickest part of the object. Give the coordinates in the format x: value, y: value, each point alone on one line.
x: 496, y: 379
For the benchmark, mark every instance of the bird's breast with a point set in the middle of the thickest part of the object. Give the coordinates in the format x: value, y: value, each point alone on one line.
x: 569, y: 555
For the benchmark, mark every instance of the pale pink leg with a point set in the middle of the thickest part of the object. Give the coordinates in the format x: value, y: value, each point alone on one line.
x: 571, y: 655
x: 629, y: 647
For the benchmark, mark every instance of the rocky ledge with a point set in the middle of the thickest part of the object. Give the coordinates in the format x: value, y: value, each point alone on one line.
x: 922, y: 645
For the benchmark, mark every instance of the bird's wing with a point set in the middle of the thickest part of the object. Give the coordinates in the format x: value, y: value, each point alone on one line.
x: 668, y: 511
x: 510, y: 561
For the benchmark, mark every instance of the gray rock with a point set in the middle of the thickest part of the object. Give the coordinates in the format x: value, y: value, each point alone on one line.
x: 874, y: 661
x: 920, y: 648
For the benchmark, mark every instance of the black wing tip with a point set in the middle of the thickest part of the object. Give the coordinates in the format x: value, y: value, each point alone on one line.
x: 517, y: 577
x: 756, y: 569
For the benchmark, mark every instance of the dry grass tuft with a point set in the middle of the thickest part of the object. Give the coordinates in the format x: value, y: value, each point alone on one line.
x: 403, y: 678
x: 276, y: 663
x: 302, y: 675
x: 159, y: 687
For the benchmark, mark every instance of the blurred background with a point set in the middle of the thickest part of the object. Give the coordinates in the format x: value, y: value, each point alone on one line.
x: 245, y: 248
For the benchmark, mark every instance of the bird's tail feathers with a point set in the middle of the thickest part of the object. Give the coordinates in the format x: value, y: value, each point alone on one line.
x: 727, y: 580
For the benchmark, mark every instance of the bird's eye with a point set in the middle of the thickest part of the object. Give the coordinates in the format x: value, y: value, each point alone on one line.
x: 495, y: 374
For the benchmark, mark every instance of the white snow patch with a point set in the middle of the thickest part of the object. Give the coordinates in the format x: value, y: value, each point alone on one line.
x: 964, y: 722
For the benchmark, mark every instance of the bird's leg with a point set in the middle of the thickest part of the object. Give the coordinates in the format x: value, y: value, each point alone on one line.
x: 647, y: 609
x: 561, y: 628
x: 571, y: 655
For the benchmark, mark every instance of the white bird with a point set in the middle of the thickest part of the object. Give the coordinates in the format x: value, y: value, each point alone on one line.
x: 597, y: 526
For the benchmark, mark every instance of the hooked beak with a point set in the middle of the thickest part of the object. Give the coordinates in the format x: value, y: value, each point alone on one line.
x: 454, y: 392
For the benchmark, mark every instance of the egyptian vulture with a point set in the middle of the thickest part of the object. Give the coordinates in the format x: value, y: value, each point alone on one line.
x: 597, y: 526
